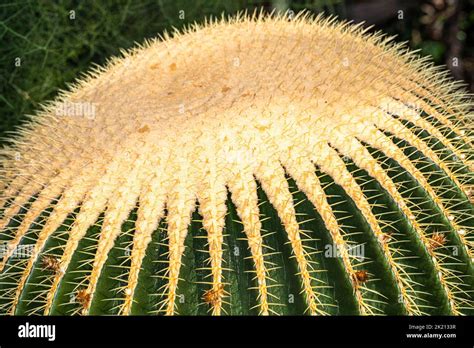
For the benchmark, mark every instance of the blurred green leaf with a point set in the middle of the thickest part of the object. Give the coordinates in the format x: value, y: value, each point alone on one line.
x: 433, y: 48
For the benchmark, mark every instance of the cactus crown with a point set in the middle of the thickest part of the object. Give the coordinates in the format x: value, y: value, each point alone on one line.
x: 251, y: 165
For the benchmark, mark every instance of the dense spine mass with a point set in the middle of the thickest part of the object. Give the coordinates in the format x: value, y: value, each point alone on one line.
x: 256, y: 165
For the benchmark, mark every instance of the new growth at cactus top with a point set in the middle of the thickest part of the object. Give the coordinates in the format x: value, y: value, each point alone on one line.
x: 253, y: 165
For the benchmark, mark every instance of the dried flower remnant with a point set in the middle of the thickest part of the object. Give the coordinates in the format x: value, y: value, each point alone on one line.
x: 437, y: 240
x: 361, y: 276
x: 51, y: 263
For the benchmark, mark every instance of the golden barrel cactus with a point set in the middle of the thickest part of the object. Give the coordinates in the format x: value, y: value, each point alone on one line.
x: 255, y: 165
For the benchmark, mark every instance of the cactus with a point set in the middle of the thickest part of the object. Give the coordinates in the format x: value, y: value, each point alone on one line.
x: 252, y: 165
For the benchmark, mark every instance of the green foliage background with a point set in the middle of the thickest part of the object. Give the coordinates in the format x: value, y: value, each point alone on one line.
x: 54, y: 48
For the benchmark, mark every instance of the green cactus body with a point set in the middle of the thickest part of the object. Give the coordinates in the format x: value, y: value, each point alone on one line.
x: 257, y: 165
